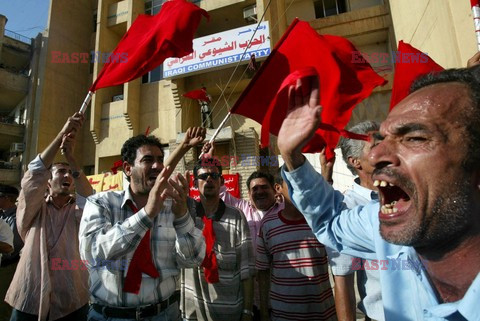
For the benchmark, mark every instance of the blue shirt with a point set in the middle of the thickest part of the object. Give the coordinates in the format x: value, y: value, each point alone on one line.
x: 368, y: 277
x: 406, y: 291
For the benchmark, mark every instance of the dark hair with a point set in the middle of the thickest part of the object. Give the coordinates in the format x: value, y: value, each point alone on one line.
x: 130, y: 147
x: 278, y: 176
x: 206, y: 163
x: 257, y: 174
x: 470, y: 77
x: 58, y: 163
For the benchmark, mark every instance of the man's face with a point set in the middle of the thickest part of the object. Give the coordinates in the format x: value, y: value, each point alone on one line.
x: 147, y: 166
x: 61, y: 183
x: 426, y: 195
x: 261, y: 193
x: 364, y: 162
x: 283, y: 190
x: 209, y: 181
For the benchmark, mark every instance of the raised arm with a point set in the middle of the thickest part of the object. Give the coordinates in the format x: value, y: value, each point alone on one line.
x: 34, y: 182
x: 312, y: 195
x: 301, y: 122
x: 193, y: 137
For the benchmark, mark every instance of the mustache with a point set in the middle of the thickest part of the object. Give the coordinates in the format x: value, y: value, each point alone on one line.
x: 400, y: 179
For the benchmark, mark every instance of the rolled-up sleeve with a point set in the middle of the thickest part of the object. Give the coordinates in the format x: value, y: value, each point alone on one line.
x: 346, y: 231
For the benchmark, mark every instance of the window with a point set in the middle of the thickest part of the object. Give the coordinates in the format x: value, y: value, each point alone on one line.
x: 152, y: 7
x: 325, y: 8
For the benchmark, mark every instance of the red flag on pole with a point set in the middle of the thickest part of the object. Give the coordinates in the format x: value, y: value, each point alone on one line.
x: 150, y: 40
x: 200, y: 94
x: 343, y: 83
x: 410, y: 63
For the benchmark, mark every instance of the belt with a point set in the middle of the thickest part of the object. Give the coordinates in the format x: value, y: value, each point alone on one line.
x: 137, y: 313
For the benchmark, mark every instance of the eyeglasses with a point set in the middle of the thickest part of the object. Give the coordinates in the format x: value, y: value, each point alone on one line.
x: 204, y: 176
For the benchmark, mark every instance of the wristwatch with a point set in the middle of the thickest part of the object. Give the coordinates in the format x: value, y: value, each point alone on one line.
x: 76, y: 174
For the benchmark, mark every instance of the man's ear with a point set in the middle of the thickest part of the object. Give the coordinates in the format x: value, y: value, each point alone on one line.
x: 127, y: 168
x: 277, y: 187
x: 354, y: 162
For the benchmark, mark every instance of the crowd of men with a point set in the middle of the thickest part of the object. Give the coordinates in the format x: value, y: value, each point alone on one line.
x: 149, y: 252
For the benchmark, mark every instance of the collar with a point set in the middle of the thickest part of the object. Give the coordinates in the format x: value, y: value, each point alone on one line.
x: 363, y: 191
x: 218, y: 214
x: 467, y: 306
x: 127, y: 196
x: 49, y: 199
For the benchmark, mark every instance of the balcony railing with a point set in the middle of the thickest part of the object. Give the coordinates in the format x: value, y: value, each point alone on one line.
x: 17, y: 36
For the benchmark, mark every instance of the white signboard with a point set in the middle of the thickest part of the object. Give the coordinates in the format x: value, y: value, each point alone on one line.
x: 221, y: 49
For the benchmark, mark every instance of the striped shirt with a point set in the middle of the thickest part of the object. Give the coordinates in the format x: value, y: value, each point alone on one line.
x: 109, y: 235
x: 234, y: 252
x: 299, y: 284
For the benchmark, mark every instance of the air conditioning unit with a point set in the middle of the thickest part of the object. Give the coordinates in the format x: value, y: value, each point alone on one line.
x: 250, y: 13
x: 17, y: 147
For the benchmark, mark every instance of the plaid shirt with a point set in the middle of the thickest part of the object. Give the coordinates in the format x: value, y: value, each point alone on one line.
x: 109, y: 235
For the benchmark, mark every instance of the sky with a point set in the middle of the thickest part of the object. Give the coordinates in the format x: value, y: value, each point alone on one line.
x: 26, y: 17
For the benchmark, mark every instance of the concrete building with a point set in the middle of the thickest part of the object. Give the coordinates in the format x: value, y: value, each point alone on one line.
x: 15, y: 54
x: 156, y: 102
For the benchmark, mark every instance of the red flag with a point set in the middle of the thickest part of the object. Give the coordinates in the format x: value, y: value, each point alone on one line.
x: 200, y: 94
x: 343, y: 83
x: 149, y: 41
x: 410, y: 63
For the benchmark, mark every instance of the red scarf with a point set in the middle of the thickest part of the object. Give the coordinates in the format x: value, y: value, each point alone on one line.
x: 142, y: 262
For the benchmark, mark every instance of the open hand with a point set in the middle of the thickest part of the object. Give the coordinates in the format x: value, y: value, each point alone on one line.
x: 301, y: 121
x: 303, y: 116
x: 194, y: 136
x: 179, y: 194
x: 158, y: 193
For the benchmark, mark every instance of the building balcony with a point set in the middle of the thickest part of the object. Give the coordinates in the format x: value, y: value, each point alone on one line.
x: 13, y: 88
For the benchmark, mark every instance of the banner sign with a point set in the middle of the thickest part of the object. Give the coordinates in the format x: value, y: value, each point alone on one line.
x: 221, y: 50
x: 231, y: 183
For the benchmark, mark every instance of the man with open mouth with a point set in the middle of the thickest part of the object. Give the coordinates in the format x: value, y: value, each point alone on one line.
x: 424, y: 232
x: 49, y: 224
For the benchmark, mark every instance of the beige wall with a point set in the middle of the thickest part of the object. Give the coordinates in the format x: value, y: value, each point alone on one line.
x: 304, y: 10
x: 442, y: 28
x: 63, y: 86
x: 158, y: 110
